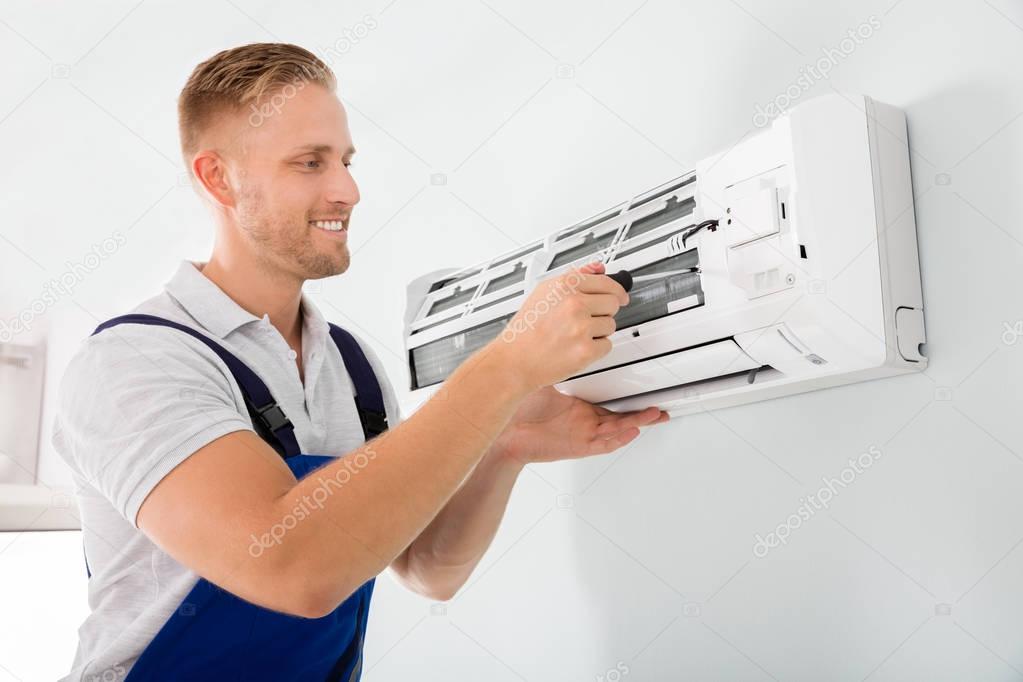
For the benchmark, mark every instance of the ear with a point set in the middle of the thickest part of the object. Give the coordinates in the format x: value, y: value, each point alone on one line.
x: 210, y: 169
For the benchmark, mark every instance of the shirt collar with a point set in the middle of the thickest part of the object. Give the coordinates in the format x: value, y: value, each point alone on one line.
x: 313, y: 320
x: 217, y: 312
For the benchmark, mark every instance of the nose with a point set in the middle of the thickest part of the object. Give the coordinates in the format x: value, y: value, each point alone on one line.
x: 341, y: 187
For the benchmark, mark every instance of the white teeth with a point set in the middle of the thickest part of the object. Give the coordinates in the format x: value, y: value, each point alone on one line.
x: 332, y: 225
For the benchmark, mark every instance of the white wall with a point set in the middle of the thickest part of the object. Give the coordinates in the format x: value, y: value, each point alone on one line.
x: 537, y: 114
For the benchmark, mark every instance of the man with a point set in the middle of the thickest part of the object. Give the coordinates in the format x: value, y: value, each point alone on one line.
x: 211, y: 552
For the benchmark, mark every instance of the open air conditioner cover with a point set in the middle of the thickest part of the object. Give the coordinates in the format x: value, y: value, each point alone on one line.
x: 786, y: 263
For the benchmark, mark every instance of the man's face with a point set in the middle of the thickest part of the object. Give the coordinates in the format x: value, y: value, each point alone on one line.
x: 290, y: 167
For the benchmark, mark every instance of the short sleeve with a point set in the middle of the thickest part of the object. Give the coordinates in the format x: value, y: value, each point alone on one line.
x: 136, y: 401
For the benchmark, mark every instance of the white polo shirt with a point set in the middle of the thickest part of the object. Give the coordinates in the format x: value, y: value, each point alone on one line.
x: 136, y: 400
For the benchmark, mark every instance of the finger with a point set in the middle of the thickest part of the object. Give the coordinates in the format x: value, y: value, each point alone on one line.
x: 628, y: 420
x: 602, y: 326
x: 605, y: 412
x: 611, y: 415
x: 602, y: 345
x: 594, y: 268
x: 602, y: 304
x: 600, y: 284
x: 633, y: 418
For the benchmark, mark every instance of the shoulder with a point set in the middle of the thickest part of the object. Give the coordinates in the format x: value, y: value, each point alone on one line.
x: 141, y: 353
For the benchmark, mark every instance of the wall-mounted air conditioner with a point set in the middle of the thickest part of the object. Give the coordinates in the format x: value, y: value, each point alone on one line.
x: 786, y: 263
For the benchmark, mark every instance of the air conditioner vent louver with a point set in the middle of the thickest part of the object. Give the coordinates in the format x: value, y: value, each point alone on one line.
x: 503, y: 299
x: 662, y: 192
x: 514, y: 277
x: 457, y: 298
x: 674, y: 210
x: 517, y: 254
x: 587, y: 224
x: 589, y: 247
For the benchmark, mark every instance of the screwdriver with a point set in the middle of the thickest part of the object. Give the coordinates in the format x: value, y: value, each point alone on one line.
x: 627, y: 279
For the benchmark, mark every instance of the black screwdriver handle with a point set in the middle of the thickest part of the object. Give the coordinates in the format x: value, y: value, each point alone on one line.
x: 623, y: 277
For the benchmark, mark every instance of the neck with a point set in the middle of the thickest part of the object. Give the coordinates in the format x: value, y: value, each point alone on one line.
x: 259, y: 291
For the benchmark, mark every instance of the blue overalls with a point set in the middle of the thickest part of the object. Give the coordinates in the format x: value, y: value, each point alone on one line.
x: 215, y: 635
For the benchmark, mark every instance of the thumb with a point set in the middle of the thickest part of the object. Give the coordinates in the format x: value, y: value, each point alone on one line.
x: 594, y: 268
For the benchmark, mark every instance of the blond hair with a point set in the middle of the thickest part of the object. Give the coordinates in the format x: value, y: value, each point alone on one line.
x: 240, y: 76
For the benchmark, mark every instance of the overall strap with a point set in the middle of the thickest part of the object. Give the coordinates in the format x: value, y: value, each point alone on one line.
x: 269, y: 419
x: 369, y: 400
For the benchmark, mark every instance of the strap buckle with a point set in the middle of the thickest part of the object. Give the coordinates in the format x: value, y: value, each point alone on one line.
x: 373, y: 423
x: 272, y: 417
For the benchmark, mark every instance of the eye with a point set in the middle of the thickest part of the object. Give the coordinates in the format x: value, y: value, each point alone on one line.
x: 311, y: 164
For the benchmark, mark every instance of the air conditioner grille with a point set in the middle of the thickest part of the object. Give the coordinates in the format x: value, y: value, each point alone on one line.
x: 589, y: 247
x: 457, y: 298
x: 653, y: 298
x: 673, y: 210
x: 433, y: 362
x: 514, y: 277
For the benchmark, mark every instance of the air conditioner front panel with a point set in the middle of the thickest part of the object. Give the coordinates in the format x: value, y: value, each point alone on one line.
x: 840, y: 205
x: 662, y: 371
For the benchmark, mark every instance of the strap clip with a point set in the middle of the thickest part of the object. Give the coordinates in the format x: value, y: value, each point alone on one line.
x: 373, y: 423
x: 272, y: 417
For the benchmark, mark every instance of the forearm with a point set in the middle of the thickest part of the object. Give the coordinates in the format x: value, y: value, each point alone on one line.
x: 384, y: 494
x: 442, y: 558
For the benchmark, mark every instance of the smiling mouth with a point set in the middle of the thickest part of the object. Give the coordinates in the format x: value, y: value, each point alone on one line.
x: 329, y: 225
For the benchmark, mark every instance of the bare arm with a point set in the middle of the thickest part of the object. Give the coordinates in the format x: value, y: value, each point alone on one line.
x: 548, y: 426
x: 441, y: 559
x: 346, y: 522
x: 223, y: 509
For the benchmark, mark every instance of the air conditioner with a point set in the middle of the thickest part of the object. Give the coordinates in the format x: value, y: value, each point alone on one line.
x: 786, y: 263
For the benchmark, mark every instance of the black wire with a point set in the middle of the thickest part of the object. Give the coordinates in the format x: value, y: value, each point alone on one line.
x: 711, y: 225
